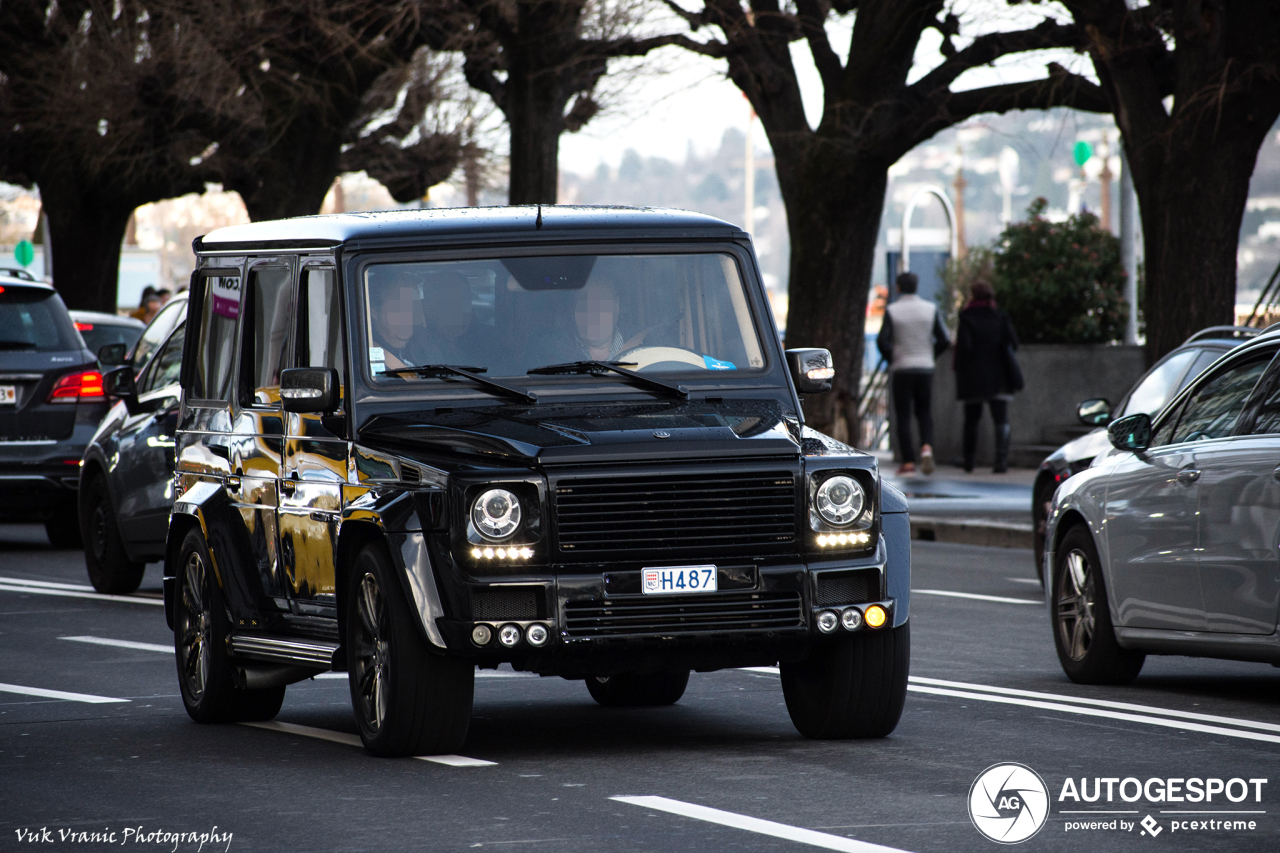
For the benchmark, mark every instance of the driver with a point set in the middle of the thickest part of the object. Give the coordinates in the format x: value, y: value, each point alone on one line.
x: 595, y: 313
x: 391, y: 313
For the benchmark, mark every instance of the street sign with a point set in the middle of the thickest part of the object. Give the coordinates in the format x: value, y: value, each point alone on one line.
x: 24, y: 253
x: 1082, y: 152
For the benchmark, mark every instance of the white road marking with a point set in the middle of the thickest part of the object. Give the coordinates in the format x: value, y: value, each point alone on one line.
x: 124, y: 644
x: 354, y: 740
x: 1031, y: 581
x: 1061, y: 702
x: 58, y: 694
x: 754, y: 824
x: 1000, y: 598
x: 47, y: 584
x: 334, y: 675
x: 70, y: 593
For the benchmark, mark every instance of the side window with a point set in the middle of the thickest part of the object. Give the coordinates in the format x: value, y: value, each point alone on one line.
x: 219, y: 313
x: 170, y: 315
x: 168, y: 362
x: 1159, y: 386
x: 268, y: 313
x: 1214, y: 407
x: 319, y: 320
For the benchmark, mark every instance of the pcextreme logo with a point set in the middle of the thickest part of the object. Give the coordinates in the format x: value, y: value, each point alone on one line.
x: 1008, y: 803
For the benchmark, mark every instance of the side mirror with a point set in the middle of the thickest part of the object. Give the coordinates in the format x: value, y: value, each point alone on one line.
x: 309, y: 390
x: 120, y: 383
x: 1131, y: 433
x: 811, y: 370
x: 111, y: 355
x: 1094, y: 412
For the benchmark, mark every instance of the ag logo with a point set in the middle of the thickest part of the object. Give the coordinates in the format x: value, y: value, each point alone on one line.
x: 1008, y: 803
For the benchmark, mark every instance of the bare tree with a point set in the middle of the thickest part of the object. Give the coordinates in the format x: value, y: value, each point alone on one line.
x: 833, y: 177
x: 1218, y: 64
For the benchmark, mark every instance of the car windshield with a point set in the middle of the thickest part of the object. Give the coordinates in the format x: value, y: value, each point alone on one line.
x: 1159, y: 385
x: 34, y: 321
x: 678, y: 313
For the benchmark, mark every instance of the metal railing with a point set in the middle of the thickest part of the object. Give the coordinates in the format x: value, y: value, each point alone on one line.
x: 873, y: 409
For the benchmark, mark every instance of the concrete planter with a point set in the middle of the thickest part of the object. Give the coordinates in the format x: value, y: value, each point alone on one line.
x: 1043, y: 415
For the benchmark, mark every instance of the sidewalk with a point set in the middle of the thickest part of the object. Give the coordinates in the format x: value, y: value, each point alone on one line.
x: 980, y: 508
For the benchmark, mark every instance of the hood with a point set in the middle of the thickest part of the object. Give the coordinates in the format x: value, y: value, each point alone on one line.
x: 1078, y: 452
x: 559, y: 435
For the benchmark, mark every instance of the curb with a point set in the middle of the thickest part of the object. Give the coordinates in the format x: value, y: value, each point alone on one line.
x: 973, y: 531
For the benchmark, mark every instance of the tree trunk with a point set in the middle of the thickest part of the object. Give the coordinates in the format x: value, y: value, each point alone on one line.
x: 85, y: 230
x: 1192, y: 196
x: 833, y: 209
x: 535, y: 113
x: 293, y: 177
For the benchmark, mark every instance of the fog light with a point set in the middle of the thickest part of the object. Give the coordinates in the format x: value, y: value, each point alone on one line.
x: 875, y: 616
x: 509, y: 635
x: 536, y: 634
x: 481, y: 635
x: 827, y: 621
x: 851, y: 619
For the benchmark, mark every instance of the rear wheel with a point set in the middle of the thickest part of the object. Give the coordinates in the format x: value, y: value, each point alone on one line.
x: 408, y: 700
x: 200, y: 629
x: 1083, y: 634
x: 635, y: 689
x: 110, y: 569
x: 852, y: 687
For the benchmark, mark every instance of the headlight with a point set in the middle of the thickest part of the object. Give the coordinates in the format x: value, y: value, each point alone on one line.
x: 496, y: 514
x: 839, y: 500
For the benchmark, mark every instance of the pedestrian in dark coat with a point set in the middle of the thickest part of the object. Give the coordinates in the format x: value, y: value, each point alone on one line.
x: 986, y: 371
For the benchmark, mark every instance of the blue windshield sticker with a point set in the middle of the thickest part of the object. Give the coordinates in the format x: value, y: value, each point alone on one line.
x: 717, y: 364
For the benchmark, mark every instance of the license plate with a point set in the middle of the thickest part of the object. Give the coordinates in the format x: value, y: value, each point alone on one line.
x: 676, y: 580
x: 8, y: 395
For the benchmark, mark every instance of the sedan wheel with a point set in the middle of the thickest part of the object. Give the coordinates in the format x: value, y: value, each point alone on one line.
x: 1082, y: 632
x: 1075, y: 605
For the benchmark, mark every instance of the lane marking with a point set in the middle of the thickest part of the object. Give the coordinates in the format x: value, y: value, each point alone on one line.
x: 920, y: 684
x: 1102, y: 703
x: 1095, y: 712
x: 755, y: 824
x: 37, y: 590
x: 354, y: 740
x: 1031, y: 581
x: 1000, y: 598
x: 47, y: 584
x: 88, y: 698
x: 123, y: 644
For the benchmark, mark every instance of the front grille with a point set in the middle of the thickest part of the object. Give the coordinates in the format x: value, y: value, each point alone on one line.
x: 752, y: 611
x: 856, y: 587
x: 635, y: 517
x: 513, y: 602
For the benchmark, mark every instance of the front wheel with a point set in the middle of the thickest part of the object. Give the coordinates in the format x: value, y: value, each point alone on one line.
x: 408, y: 700
x: 110, y: 569
x: 1082, y: 631
x: 636, y: 689
x: 851, y: 687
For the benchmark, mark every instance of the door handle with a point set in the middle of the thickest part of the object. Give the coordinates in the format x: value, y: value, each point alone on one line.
x: 1188, y: 476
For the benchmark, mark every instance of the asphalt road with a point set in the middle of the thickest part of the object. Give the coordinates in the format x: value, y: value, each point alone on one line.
x: 721, y: 770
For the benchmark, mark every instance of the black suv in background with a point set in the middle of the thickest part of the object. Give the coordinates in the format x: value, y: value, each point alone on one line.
x: 51, y: 400
x: 126, y: 482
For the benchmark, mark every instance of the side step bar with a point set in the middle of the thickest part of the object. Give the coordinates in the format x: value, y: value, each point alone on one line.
x: 313, y: 652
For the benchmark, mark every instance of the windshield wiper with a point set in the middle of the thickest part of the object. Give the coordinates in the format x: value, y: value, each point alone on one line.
x: 17, y: 345
x: 442, y: 371
x: 598, y: 367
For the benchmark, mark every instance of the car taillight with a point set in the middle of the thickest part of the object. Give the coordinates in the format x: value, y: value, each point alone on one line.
x: 84, y: 327
x: 78, y: 386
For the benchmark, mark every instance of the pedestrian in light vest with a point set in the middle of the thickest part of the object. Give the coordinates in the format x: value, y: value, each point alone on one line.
x: 911, y: 339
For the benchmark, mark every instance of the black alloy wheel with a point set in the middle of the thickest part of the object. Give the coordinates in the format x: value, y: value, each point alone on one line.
x: 1083, y: 635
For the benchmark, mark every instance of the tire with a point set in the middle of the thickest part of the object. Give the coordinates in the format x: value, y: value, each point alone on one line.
x: 110, y: 569
x: 407, y: 699
x: 853, y: 687
x: 1083, y: 634
x: 1041, y: 496
x: 638, y: 689
x: 63, y: 528
x: 200, y: 629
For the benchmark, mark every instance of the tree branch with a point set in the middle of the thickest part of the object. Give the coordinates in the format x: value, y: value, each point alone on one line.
x: 640, y: 47
x: 990, y: 47
x: 812, y: 16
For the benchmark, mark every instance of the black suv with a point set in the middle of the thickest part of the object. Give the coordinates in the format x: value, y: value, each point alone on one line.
x: 51, y: 399
x: 567, y: 439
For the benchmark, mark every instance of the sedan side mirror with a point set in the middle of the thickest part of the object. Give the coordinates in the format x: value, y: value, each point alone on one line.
x: 309, y: 390
x: 120, y: 383
x: 1094, y: 412
x: 1131, y: 433
x: 111, y: 355
x: 811, y: 370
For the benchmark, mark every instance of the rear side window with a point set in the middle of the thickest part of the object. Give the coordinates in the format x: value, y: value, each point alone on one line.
x: 35, y: 320
x: 268, y: 313
x: 220, y: 311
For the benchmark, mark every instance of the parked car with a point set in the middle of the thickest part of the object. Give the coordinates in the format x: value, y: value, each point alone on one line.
x: 1169, y: 544
x: 51, y: 400
x: 1149, y: 394
x: 566, y: 439
x: 126, y: 481
x: 99, y: 329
